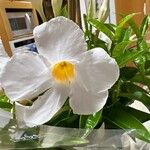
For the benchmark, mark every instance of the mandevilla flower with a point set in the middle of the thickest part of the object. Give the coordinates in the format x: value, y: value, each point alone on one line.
x: 5, y: 115
x: 63, y: 68
x: 3, y: 61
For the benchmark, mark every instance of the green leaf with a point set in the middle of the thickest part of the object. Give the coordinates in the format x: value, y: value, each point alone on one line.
x: 99, y: 43
x: 4, y: 98
x: 121, y: 25
x: 135, y: 92
x: 64, y: 11
x: 111, y: 27
x: 126, y: 73
x: 144, y: 25
x: 139, y: 78
x: 102, y: 27
x: 130, y: 87
x: 127, y: 56
x: 90, y: 122
x: 64, y: 112
x: 147, y: 64
x: 127, y: 34
x: 134, y: 27
x: 5, y: 105
x: 140, y: 61
x: 70, y: 122
x: 142, y: 45
x: 138, y: 95
x: 125, y: 120
x: 120, y: 48
x: 142, y: 116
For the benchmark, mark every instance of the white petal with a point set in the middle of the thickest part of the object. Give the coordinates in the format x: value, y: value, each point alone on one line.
x: 25, y: 76
x: 20, y: 112
x: 59, y: 39
x: 5, y: 117
x: 85, y: 102
x: 44, y: 108
x: 147, y: 125
x: 97, y: 70
x: 3, y: 61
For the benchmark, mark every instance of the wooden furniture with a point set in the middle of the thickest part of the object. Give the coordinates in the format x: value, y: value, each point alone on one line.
x: 133, y: 6
x: 5, y: 29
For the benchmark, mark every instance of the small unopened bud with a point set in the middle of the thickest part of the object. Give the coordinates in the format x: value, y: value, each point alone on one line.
x: 91, y: 9
x: 104, y: 11
x: 57, y: 5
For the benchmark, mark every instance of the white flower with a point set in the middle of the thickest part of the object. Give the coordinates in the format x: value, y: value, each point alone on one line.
x: 3, y: 61
x: 62, y: 68
x: 5, y: 117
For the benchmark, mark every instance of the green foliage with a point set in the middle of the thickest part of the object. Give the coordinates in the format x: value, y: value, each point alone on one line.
x: 123, y: 119
x: 91, y: 121
x: 128, y: 44
x: 4, y: 102
x: 101, y: 27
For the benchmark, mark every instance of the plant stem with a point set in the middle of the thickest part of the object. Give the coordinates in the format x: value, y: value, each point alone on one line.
x: 14, y: 111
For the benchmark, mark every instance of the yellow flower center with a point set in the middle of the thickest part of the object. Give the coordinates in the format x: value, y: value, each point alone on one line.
x: 63, y: 72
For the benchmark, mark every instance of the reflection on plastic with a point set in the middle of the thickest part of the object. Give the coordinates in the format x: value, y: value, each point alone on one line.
x: 54, y: 137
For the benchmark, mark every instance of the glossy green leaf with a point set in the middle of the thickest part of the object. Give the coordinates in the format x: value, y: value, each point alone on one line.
x: 4, y: 98
x: 5, y: 105
x: 142, y: 116
x: 140, y: 78
x: 99, y: 43
x: 126, y: 73
x: 102, y: 27
x: 135, y: 92
x: 144, y: 25
x: 134, y: 27
x: 90, y: 121
x: 128, y: 56
x: 142, y: 45
x: 121, y: 25
x: 147, y: 64
x: 120, y: 48
x: 140, y: 61
x: 125, y: 120
x: 64, y: 12
x: 138, y: 95
x: 70, y: 122
x: 64, y: 112
x: 127, y: 34
x: 130, y: 87
x: 111, y: 27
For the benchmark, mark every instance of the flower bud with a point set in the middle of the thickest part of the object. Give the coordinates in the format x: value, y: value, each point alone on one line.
x: 104, y: 11
x: 56, y: 5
